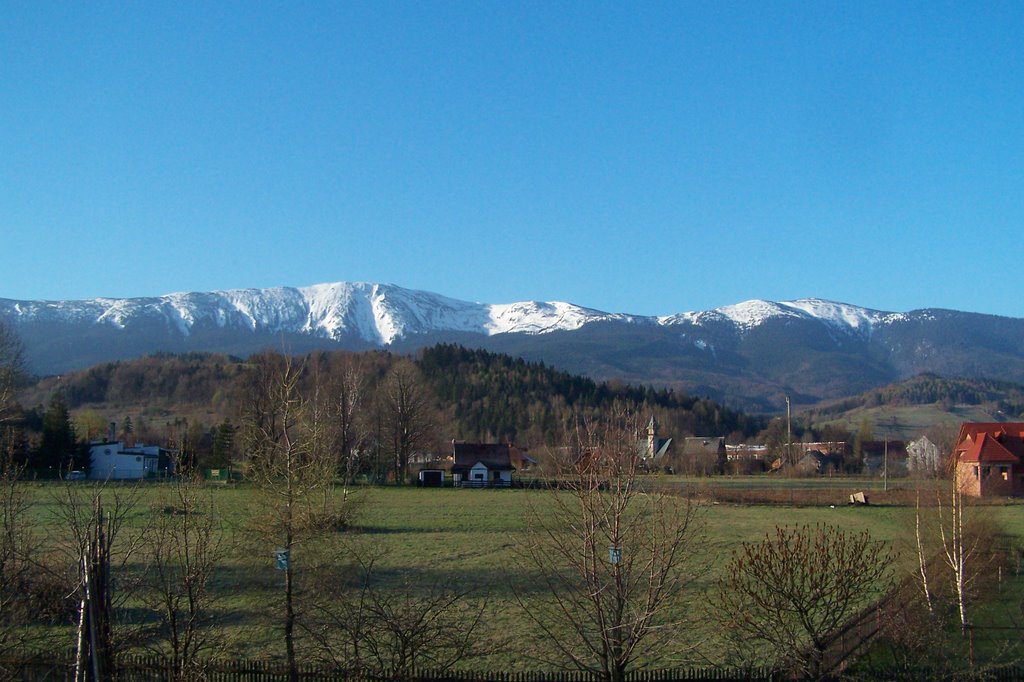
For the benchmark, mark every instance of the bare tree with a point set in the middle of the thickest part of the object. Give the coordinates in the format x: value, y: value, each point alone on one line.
x: 615, y: 559
x: 408, y: 415
x: 337, y: 405
x: 18, y: 550
x: 960, y: 547
x: 922, y: 556
x: 794, y: 590
x: 183, y: 550
x: 362, y: 625
x: 957, y: 550
x: 12, y: 367
x: 290, y: 469
x: 349, y: 394
x: 100, y: 544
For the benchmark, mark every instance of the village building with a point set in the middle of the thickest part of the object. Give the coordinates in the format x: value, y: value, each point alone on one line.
x: 989, y: 459
x: 815, y: 461
x: 482, y: 465
x: 746, y: 459
x: 703, y: 455
x: 116, y: 462
x: 923, y: 457
x: 654, y: 448
x: 884, y: 457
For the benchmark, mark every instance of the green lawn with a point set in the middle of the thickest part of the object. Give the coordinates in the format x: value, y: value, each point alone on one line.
x: 470, y: 538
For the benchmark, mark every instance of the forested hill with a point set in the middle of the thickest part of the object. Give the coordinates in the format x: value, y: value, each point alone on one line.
x: 494, y: 396
x: 925, y: 389
x: 478, y: 394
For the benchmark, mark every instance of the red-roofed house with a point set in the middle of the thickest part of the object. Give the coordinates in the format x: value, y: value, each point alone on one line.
x: 990, y: 459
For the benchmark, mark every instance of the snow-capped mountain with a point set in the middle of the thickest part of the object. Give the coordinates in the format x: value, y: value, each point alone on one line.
x: 375, y: 313
x: 383, y: 313
x: 752, y: 352
x: 750, y: 314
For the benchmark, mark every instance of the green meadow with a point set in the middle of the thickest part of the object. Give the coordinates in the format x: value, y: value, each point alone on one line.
x: 471, y: 539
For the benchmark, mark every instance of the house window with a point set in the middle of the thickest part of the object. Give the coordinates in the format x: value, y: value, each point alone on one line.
x: 478, y: 476
x: 974, y: 470
x: 1005, y: 472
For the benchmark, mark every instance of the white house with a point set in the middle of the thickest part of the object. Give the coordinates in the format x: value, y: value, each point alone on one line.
x: 113, y: 461
x: 923, y: 457
x: 482, y: 465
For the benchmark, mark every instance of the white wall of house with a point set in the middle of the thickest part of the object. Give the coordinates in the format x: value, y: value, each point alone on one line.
x: 923, y: 457
x: 480, y: 475
x: 112, y: 461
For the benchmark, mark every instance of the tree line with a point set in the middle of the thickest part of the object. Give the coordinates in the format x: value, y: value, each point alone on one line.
x: 194, y: 403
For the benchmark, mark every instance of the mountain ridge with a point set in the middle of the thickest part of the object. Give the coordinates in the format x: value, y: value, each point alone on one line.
x: 752, y: 354
x: 382, y: 313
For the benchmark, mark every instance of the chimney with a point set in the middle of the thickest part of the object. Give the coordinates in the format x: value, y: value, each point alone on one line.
x: 112, y: 433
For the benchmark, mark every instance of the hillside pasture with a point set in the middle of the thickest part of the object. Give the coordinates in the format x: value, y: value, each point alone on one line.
x: 909, y: 421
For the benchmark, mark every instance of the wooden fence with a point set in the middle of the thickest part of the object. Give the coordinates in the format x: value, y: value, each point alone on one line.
x: 47, y: 668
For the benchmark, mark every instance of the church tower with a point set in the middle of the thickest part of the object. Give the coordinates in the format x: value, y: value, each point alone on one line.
x: 652, y: 437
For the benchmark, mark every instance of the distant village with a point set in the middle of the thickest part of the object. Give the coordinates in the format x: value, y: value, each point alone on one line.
x: 987, y: 460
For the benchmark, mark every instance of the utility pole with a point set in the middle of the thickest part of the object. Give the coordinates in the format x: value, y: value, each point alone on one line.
x: 885, y: 466
x: 789, y: 432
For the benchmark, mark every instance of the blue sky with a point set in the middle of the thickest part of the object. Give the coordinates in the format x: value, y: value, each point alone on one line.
x: 646, y: 157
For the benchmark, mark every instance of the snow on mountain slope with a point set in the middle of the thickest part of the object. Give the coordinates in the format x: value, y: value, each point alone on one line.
x: 377, y: 313
x: 750, y: 314
x: 383, y: 313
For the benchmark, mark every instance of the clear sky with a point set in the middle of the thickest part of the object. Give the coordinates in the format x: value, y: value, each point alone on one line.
x: 649, y: 158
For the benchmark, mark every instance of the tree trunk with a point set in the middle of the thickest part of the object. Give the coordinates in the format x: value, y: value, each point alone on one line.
x: 289, y: 622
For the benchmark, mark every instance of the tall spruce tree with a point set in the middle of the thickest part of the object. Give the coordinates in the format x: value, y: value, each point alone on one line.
x: 58, y: 444
x: 223, y: 445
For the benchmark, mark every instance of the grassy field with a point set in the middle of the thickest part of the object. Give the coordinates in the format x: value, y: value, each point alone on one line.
x: 470, y: 538
x: 908, y: 422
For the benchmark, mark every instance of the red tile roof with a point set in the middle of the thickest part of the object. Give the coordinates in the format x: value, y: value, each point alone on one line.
x: 985, y: 449
x: 991, y: 442
x: 972, y: 429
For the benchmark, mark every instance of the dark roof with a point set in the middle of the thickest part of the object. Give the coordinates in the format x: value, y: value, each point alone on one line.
x: 661, y: 446
x: 700, y: 444
x: 491, y: 455
x: 877, y: 448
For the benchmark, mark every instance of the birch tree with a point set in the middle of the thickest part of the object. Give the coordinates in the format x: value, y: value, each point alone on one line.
x: 960, y: 547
